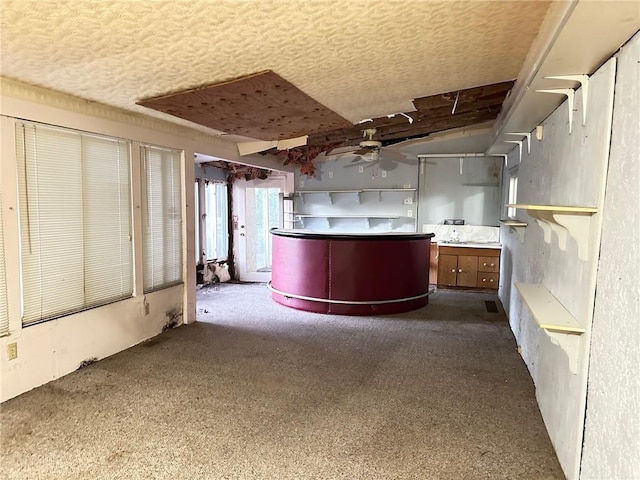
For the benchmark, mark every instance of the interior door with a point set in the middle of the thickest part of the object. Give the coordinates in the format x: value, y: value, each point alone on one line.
x: 259, y: 208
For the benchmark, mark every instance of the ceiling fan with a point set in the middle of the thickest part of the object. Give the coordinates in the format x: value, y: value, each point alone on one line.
x: 370, y: 152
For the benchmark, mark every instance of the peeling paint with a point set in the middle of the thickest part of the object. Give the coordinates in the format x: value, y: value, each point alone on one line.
x: 174, y: 318
x: 87, y: 362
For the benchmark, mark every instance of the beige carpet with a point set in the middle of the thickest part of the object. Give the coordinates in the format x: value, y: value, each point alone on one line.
x: 259, y: 391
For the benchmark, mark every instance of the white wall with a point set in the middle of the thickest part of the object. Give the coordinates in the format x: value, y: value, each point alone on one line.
x: 52, y: 349
x: 473, y: 195
x: 612, y: 430
x: 562, y: 169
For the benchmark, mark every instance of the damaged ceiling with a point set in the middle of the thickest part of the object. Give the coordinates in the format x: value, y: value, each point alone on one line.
x: 340, y: 62
x: 265, y: 106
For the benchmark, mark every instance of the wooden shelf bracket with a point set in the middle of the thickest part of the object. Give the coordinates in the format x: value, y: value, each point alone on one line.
x: 574, y: 222
x: 522, y: 134
x: 570, y: 93
x: 584, y: 84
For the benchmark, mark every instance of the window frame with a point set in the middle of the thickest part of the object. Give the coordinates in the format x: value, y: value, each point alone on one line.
x: 88, y: 241
x: 178, y: 206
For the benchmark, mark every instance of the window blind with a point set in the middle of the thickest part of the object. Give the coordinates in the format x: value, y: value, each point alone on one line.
x: 162, y: 222
x: 75, y: 220
x: 4, y: 307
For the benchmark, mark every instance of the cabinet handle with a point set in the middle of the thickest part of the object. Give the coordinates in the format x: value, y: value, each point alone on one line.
x: 453, y: 271
x: 491, y: 280
x: 460, y: 271
x: 484, y: 264
x: 484, y: 279
x: 492, y: 265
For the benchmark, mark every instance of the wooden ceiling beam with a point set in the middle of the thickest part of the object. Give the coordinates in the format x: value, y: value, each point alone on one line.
x: 468, y: 95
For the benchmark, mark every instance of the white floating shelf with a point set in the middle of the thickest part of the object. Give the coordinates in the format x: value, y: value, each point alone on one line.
x: 548, y: 312
x: 330, y: 193
x: 328, y: 218
x: 564, y: 221
x: 562, y: 328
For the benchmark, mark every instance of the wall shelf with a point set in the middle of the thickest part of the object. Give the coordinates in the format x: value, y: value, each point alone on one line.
x: 562, y: 328
x: 516, y: 226
x: 368, y: 218
x: 548, y: 312
x: 564, y: 221
x: 329, y: 193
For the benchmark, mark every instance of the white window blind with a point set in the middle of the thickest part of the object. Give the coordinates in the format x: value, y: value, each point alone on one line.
x: 4, y: 307
x: 75, y: 220
x: 162, y: 222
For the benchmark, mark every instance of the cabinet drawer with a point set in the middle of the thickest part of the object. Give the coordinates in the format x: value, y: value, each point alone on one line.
x: 487, y: 280
x: 488, y: 264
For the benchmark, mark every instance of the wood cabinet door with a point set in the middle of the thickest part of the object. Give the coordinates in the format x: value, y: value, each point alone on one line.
x: 467, y: 270
x: 433, y: 264
x: 447, y: 270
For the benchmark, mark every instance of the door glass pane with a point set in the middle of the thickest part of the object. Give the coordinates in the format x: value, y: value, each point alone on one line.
x: 217, y: 237
x: 222, y: 231
x: 262, y: 214
x: 196, y: 205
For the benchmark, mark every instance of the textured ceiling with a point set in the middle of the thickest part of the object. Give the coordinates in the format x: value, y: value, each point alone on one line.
x: 361, y: 59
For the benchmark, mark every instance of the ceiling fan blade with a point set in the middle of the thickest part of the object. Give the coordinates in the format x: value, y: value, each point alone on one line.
x: 361, y: 164
x: 393, y: 155
x: 387, y: 165
x: 364, y: 150
x: 337, y: 152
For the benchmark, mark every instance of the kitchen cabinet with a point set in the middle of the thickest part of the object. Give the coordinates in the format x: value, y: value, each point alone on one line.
x: 433, y: 264
x: 460, y: 266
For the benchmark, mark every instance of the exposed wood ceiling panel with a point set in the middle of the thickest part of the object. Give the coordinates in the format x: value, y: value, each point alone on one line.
x: 434, y: 113
x: 263, y: 106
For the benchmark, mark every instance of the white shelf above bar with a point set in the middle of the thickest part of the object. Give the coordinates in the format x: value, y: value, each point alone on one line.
x: 368, y: 218
x: 548, y: 312
x: 388, y: 189
x: 330, y: 193
x: 564, y: 221
x: 347, y: 216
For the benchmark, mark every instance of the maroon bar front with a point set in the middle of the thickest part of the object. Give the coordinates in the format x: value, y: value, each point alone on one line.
x: 350, y: 274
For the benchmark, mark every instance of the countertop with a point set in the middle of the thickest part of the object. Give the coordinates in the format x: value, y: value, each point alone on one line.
x: 307, y: 234
x: 469, y: 244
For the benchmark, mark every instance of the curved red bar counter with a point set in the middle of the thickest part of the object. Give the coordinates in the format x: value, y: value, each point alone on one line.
x: 350, y: 274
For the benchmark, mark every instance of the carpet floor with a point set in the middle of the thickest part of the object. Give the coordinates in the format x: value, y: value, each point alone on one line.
x: 255, y: 390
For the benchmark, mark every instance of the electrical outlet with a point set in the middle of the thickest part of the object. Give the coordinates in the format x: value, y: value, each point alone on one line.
x: 406, y: 186
x: 12, y: 351
x: 408, y: 201
x: 384, y: 174
x: 361, y: 169
x: 330, y: 174
x: 301, y: 183
x: 409, y: 213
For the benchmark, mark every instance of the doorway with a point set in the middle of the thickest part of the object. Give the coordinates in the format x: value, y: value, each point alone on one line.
x: 260, y: 207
